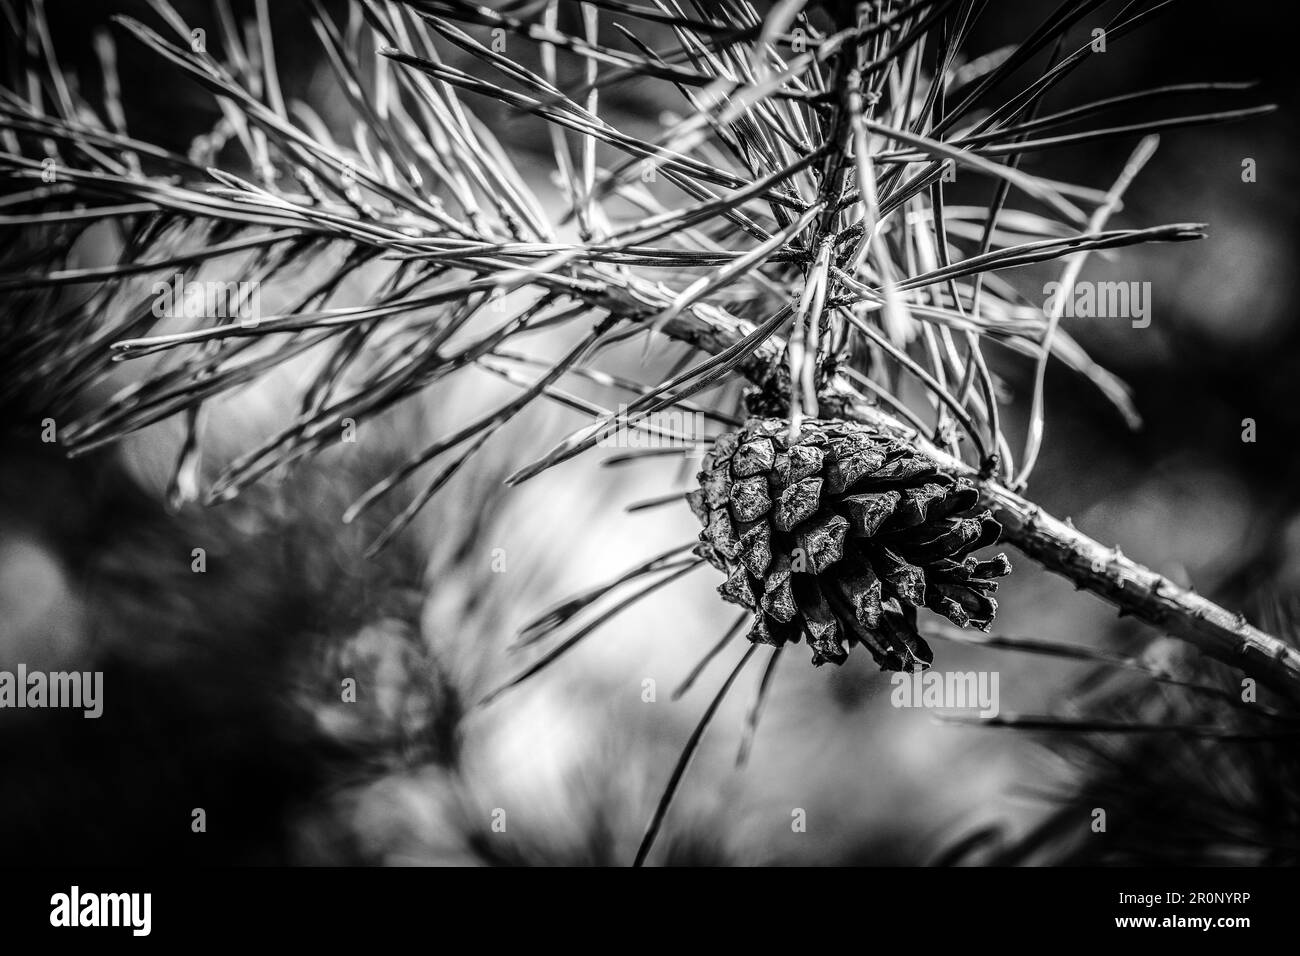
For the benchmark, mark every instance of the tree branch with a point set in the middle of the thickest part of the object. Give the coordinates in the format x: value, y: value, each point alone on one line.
x: 1056, y: 545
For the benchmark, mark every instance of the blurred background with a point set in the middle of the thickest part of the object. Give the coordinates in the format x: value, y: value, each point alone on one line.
x: 221, y: 689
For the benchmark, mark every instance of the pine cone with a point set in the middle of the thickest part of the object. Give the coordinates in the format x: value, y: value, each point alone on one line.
x: 841, y: 536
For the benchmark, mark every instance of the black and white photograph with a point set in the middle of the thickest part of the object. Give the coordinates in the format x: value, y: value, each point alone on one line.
x: 583, y: 434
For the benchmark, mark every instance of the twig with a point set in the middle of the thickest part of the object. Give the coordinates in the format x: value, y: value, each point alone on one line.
x: 1057, y: 545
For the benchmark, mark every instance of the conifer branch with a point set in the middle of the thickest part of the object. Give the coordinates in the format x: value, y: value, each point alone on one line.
x: 809, y: 220
x: 1061, y: 548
